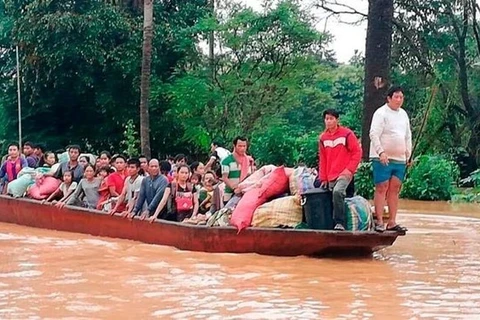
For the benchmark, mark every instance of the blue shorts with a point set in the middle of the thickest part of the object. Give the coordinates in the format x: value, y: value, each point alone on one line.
x: 382, y: 173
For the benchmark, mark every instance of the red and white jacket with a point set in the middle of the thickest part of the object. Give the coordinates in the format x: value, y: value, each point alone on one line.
x: 338, y: 151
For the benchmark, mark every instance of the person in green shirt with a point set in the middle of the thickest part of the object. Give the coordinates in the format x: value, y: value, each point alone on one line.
x: 235, y: 168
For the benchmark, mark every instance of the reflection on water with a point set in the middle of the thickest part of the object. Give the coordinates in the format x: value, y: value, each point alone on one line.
x: 433, y: 272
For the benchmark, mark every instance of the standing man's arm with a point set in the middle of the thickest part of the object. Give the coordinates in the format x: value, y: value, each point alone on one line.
x: 408, y: 140
x: 322, y: 159
x: 376, y: 130
x: 355, y: 153
x: 225, y: 173
x: 211, y: 161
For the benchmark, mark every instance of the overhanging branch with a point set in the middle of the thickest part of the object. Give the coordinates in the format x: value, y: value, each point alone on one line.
x: 336, y: 8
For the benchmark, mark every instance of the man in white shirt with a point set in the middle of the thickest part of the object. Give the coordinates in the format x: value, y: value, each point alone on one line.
x: 390, y: 150
x: 217, y: 156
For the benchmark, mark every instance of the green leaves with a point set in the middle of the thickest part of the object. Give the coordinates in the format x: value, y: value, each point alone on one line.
x: 430, y: 178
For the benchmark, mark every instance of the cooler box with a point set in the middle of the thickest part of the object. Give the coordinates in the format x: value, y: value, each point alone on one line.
x: 318, y: 209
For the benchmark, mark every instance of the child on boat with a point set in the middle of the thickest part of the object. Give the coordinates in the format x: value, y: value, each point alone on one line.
x: 65, y: 189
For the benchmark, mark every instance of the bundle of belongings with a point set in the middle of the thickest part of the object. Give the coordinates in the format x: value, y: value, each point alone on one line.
x: 33, y: 183
x: 271, y: 198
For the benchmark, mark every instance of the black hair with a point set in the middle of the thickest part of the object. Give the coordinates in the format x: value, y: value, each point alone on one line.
x: 41, y: 147
x: 194, y: 166
x: 86, y: 157
x: 76, y: 147
x: 165, y: 167
x: 71, y: 174
x: 182, y: 166
x: 331, y: 112
x: 239, y: 138
x: 29, y: 144
x: 14, y: 144
x: 217, y: 143
x: 115, y: 157
x: 44, y: 158
x: 170, y: 158
x: 107, y: 169
x: 91, y: 166
x: 134, y: 161
x: 394, y: 89
x: 179, y: 157
x: 108, y: 154
x: 142, y: 156
x: 196, y: 175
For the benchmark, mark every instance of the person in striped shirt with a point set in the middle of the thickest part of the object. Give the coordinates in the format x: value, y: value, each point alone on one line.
x: 236, y: 167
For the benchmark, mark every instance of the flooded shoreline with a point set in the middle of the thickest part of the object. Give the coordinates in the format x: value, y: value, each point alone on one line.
x: 432, y: 273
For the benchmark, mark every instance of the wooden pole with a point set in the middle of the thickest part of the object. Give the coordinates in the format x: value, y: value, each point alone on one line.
x: 19, y: 100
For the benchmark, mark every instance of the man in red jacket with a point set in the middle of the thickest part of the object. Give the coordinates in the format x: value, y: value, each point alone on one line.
x: 340, y: 153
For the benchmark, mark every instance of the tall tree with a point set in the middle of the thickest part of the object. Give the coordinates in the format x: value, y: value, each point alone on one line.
x: 377, y: 55
x: 145, y: 78
x: 377, y: 63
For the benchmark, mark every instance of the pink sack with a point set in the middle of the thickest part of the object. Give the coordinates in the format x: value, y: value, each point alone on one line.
x: 255, y: 179
x: 243, y: 213
x: 275, y: 185
x: 43, y: 188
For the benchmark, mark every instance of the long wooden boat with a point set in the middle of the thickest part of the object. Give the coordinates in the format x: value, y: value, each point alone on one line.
x: 266, y: 241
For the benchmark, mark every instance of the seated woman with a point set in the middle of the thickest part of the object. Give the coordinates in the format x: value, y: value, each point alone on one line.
x: 104, y: 191
x: 12, y: 166
x: 83, y: 160
x: 180, y: 196
x: 205, y: 195
x: 197, y: 168
x: 66, y: 189
x: 103, y: 160
x: 49, y: 160
x: 86, y: 194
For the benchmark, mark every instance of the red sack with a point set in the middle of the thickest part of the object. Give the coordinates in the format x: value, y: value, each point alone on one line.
x: 275, y: 185
x: 243, y: 214
x: 43, y: 188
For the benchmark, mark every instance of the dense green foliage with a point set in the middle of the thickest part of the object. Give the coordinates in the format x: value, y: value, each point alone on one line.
x: 364, y: 185
x: 430, y: 178
x: 271, y: 78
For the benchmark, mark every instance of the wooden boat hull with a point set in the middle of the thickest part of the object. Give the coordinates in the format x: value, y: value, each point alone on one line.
x: 267, y: 241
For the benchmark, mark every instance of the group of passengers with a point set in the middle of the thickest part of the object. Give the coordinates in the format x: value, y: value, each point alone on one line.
x: 151, y: 189
x: 172, y: 190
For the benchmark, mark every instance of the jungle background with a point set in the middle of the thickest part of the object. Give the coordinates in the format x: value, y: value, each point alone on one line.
x: 270, y: 78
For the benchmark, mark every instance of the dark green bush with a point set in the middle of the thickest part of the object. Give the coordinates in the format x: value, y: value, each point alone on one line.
x: 430, y: 178
x: 282, y: 145
x: 364, y: 185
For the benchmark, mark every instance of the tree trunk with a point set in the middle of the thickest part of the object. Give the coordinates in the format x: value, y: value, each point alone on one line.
x: 145, y: 78
x: 377, y: 63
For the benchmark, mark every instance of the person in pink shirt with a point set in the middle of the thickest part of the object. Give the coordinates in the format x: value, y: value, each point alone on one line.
x: 12, y: 166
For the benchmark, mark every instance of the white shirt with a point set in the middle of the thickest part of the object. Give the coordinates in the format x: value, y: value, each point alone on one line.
x: 222, y: 153
x: 133, y: 187
x: 390, y: 133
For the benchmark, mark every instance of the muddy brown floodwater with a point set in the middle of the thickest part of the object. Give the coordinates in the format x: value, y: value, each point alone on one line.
x: 432, y: 273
